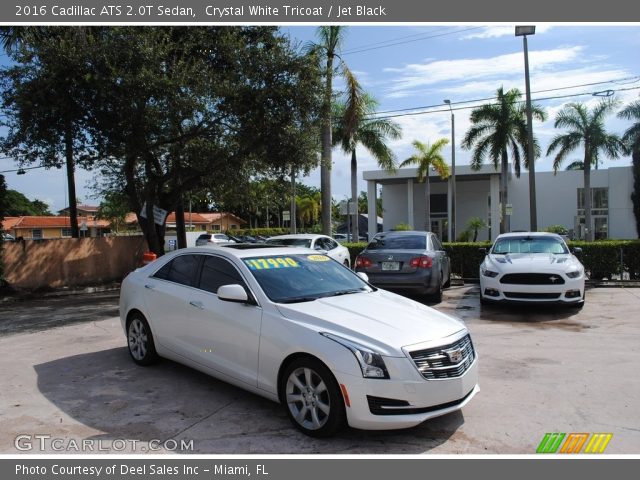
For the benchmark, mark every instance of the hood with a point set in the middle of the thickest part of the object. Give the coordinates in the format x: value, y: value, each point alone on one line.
x: 531, y: 262
x: 380, y: 320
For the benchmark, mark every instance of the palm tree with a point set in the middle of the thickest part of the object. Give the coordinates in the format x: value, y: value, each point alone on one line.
x: 586, y: 128
x: 428, y: 157
x: 331, y: 38
x: 632, y: 140
x: 356, y: 126
x: 474, y: 224
x: 499, y: 129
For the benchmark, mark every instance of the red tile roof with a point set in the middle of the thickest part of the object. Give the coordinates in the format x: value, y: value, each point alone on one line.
x: 55, y: 222
x: 9, y: 222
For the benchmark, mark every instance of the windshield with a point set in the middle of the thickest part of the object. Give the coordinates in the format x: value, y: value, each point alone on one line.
x: 303, y: 278
x: 398, y: 242
x: 290, y: 242
x: 529, y: 245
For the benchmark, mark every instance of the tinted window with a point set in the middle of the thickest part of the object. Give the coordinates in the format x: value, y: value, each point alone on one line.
x: 330, y: 244
x: 436, y: 243
x: 294, y: 242
x: 217, y: 272
x: 533, y: 244
x: 180, y: 270
x: 399, y: 242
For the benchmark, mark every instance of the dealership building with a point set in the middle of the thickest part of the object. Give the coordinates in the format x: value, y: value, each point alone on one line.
x: 559, y: 201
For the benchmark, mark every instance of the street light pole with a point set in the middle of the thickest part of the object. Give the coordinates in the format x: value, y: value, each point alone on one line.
x: 523, y: 31
x: 453, y: 173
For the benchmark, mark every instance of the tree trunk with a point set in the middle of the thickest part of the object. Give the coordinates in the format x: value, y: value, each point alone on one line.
x: 355, y: 233
x: 427, y: 202
x: 587, y: 197
x: 294, y: 210
x: 180, y: 227
x: 71, y: 181
x: 504, y: 193
x: 325, y: 162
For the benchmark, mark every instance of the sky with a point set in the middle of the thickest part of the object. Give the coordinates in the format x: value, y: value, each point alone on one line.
x: 407, y: 68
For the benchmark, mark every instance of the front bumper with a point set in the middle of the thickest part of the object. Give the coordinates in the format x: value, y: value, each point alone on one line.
x: 570, y: 292
x: 422, y: 399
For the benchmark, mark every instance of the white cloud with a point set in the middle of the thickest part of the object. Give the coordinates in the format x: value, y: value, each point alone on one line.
x: 496, y: 31
x: 418, y: 75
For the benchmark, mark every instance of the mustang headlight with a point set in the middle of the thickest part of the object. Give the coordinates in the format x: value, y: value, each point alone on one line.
x: 488, y: 273
x: 371, y: 363
x: 574, y: 274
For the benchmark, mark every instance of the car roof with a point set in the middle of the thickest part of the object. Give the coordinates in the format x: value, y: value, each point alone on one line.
x: 528, y: 234
x: 305, y: 236
x: 230, y: 251
x: 404, y: 232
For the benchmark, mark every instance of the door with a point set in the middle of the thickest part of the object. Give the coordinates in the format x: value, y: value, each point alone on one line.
x: 167, y: 294
x: 224, y: 336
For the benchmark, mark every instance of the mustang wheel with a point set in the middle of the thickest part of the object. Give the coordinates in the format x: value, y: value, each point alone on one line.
x: 312, y: 398
x: 140, y: 341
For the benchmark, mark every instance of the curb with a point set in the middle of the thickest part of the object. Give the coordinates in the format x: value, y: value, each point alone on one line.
x: 25, y: 296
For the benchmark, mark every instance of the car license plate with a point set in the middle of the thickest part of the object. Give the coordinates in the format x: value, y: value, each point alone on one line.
x: 390, y: 265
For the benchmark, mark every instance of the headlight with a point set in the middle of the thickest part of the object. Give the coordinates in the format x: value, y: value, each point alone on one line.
x: 371, y: 363
x: 574, y: 274
x: 488, y: 273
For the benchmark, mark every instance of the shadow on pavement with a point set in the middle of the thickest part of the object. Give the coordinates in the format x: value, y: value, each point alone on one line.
x: 106, y: 391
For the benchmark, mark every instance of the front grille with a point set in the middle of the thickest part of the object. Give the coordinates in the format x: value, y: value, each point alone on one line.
x: 391, y: 406
x: 532, y: 279
x: 440, y: 363
x: 535, y: 296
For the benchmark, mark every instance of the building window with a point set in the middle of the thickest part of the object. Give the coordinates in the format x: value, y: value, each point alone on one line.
x: 36, y: 233
x: 234, y: 227
x: 599, y: 201
x: 215, y: 228
x: 65, y: 232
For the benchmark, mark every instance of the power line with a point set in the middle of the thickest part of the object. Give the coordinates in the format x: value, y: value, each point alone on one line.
x: 361, y: 50
x: 519, y: 101
x: 367, y: 45
x: 634, y: 78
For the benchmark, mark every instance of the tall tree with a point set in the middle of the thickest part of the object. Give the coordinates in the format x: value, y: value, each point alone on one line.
x: 586, y: 128
x: 356, y: 126
x: 210, y: 118
x: 428, y: 157
x: 631, y: 138
x: 497, y: 130
x: 17, y: 205
x: 42, y: 95
x: 330, y: 41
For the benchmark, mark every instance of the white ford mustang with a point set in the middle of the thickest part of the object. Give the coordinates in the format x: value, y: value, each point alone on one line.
x: 531, y: 267
x: 299, y: 328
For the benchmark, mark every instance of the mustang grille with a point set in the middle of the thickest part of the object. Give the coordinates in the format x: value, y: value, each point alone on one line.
x: 445, y: 361
x: 541, y: 296
x: 532, y: 279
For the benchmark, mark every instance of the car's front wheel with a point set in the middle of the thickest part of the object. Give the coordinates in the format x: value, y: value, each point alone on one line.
x: 140, y: 341
x: 312, y: 398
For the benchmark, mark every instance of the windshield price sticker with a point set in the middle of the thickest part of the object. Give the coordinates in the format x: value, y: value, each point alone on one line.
x: 318, y: 258
x: 271, y: 263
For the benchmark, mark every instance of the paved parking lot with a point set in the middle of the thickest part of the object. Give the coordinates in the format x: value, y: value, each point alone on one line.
x: 541, y: 370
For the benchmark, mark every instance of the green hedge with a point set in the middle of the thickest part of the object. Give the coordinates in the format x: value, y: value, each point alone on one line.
x: 601, y: 259
x: 269, y: 232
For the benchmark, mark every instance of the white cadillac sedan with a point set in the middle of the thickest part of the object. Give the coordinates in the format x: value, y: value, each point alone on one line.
x: 531, y: 267
x: 321, y: 243
x: 298, y: 328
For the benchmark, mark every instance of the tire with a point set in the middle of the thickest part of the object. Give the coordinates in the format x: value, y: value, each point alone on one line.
x: 312, y: 399
x: 437, y: 296
x: 140, y: 341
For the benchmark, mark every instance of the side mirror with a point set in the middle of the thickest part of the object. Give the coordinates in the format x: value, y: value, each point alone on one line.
x: 576, y: 250
x: 363, y: 276
x: 483, y: 250
x: 233, y: 293
x: 321, y: 250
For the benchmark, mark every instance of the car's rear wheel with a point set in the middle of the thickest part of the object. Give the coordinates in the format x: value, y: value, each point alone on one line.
x: 312, y: 398
x: 140, y: 341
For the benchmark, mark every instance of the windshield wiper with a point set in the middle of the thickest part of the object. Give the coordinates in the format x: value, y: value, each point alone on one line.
x: 346, y: 292
x: 298, y: 299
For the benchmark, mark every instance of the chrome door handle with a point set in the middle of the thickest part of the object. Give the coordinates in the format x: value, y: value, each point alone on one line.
x: 149, y: 286
x: 199, y: 305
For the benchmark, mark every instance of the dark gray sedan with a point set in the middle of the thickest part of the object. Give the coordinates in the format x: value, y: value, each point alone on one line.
x: 411, y: 262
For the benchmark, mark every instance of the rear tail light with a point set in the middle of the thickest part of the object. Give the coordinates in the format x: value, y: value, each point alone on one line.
x: 421, y: 262
x: 363, y: 262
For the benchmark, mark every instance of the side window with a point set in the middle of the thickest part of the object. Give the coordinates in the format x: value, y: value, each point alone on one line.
x: 320, y: 244
x: 180, y: 270
x: 436, y: 243
x: 331, y: 244
x: 217, y: 272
